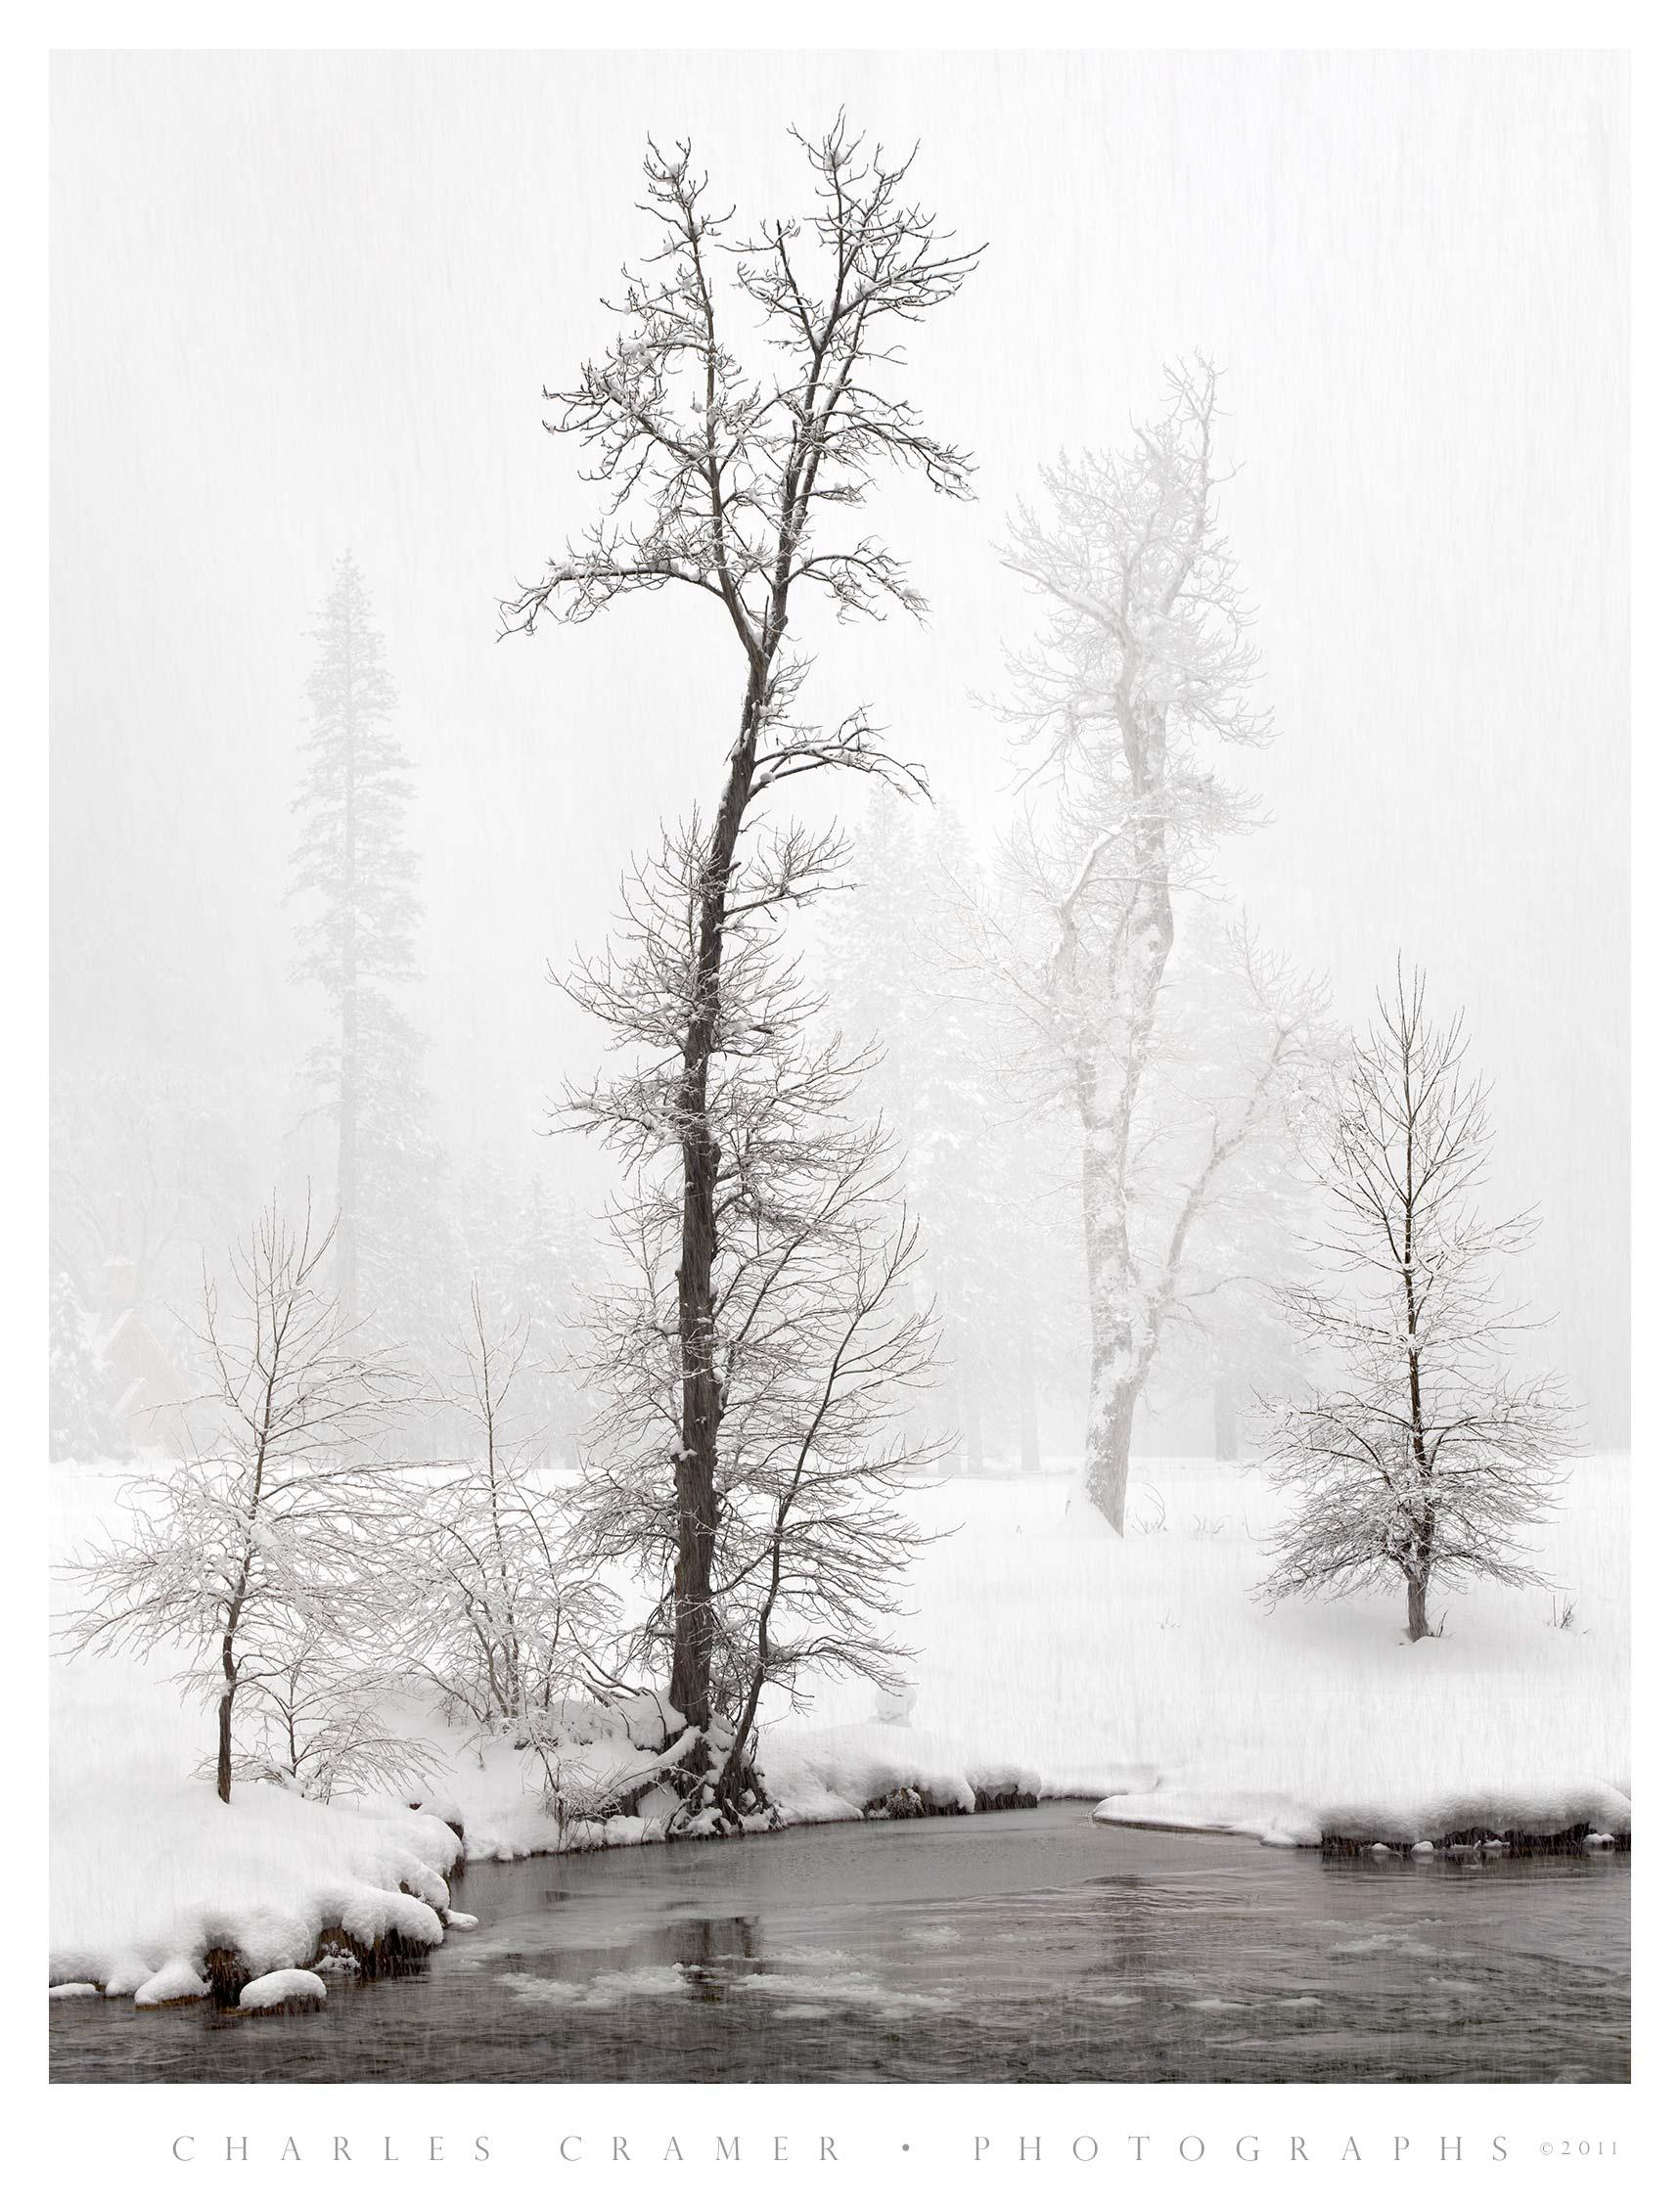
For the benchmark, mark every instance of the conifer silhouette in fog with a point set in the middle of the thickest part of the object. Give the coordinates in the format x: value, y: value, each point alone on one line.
x: 355, y: 869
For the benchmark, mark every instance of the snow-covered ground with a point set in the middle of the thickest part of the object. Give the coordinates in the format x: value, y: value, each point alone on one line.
x: 1050, y: 1656
x: 147, y: 1872
x: 1144, y: 1673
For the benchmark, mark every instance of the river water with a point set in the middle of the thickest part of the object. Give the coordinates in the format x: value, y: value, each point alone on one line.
x: 1012, y: 1946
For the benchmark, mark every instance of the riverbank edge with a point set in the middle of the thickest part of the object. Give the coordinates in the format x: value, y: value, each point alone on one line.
x: 226, y: 1973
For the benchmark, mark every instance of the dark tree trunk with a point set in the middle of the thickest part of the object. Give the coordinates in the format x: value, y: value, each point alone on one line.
x: 224, y: 1745
x: 694, y: 1470
x: 1416, y: 1614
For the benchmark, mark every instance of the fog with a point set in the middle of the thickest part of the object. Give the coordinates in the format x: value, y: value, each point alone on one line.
x: 308, y: 303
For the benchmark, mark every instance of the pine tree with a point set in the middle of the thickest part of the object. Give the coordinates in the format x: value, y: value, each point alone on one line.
x: 354, y: 863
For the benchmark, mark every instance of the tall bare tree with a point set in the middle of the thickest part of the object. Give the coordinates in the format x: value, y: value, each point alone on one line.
x: 1428, y: 1460
x: 816, y: 1342
x: 1144, y: 666
x: 741, y: 480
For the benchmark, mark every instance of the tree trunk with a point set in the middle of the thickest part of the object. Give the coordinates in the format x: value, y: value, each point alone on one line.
x: 1417, y: 1615
x: 224, y: 1746
x: 1114, y: 1381
x: 695, y: 1469
x: 1108, y: 1451
x: 1107, y: 1086
x: 1028, y: 1387
x: 1227, y: 1435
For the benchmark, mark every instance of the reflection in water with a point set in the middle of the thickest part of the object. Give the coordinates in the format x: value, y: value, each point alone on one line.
x: 1025, y: 1946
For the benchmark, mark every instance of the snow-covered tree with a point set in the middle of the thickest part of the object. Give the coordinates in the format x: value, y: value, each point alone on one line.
x: 815, y: 1340
x: 265, y: 1538
x: 1184, y: 1151
x: 355, y: 869
x: 1427, y: 1459
x: 1145, y: 667
x: 737, y: 424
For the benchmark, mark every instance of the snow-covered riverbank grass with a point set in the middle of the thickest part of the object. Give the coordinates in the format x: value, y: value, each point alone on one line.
x: 1052, y: 1657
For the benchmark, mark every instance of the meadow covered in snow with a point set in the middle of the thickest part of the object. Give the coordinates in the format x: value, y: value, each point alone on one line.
x: 1144, y: 1669
x: 1052, y: 1657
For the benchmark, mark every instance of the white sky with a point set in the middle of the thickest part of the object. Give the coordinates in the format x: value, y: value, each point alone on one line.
x: 305, y: 303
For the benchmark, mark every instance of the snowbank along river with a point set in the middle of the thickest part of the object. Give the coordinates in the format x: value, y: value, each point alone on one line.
x: 1020, y: 1946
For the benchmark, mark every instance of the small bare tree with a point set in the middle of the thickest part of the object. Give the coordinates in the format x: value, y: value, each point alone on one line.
x: 734, y: 467
x: 1430, y: 1457
x: 266, y: 1533
x: 814, y: 1337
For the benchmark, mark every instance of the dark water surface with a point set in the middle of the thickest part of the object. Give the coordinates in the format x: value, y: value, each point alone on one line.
x: 1014, y: 1946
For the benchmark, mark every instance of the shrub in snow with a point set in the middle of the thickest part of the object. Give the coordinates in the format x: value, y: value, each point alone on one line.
x: 502, y: 1611
x: 584, y: 1782
x: 1425, y: 1464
